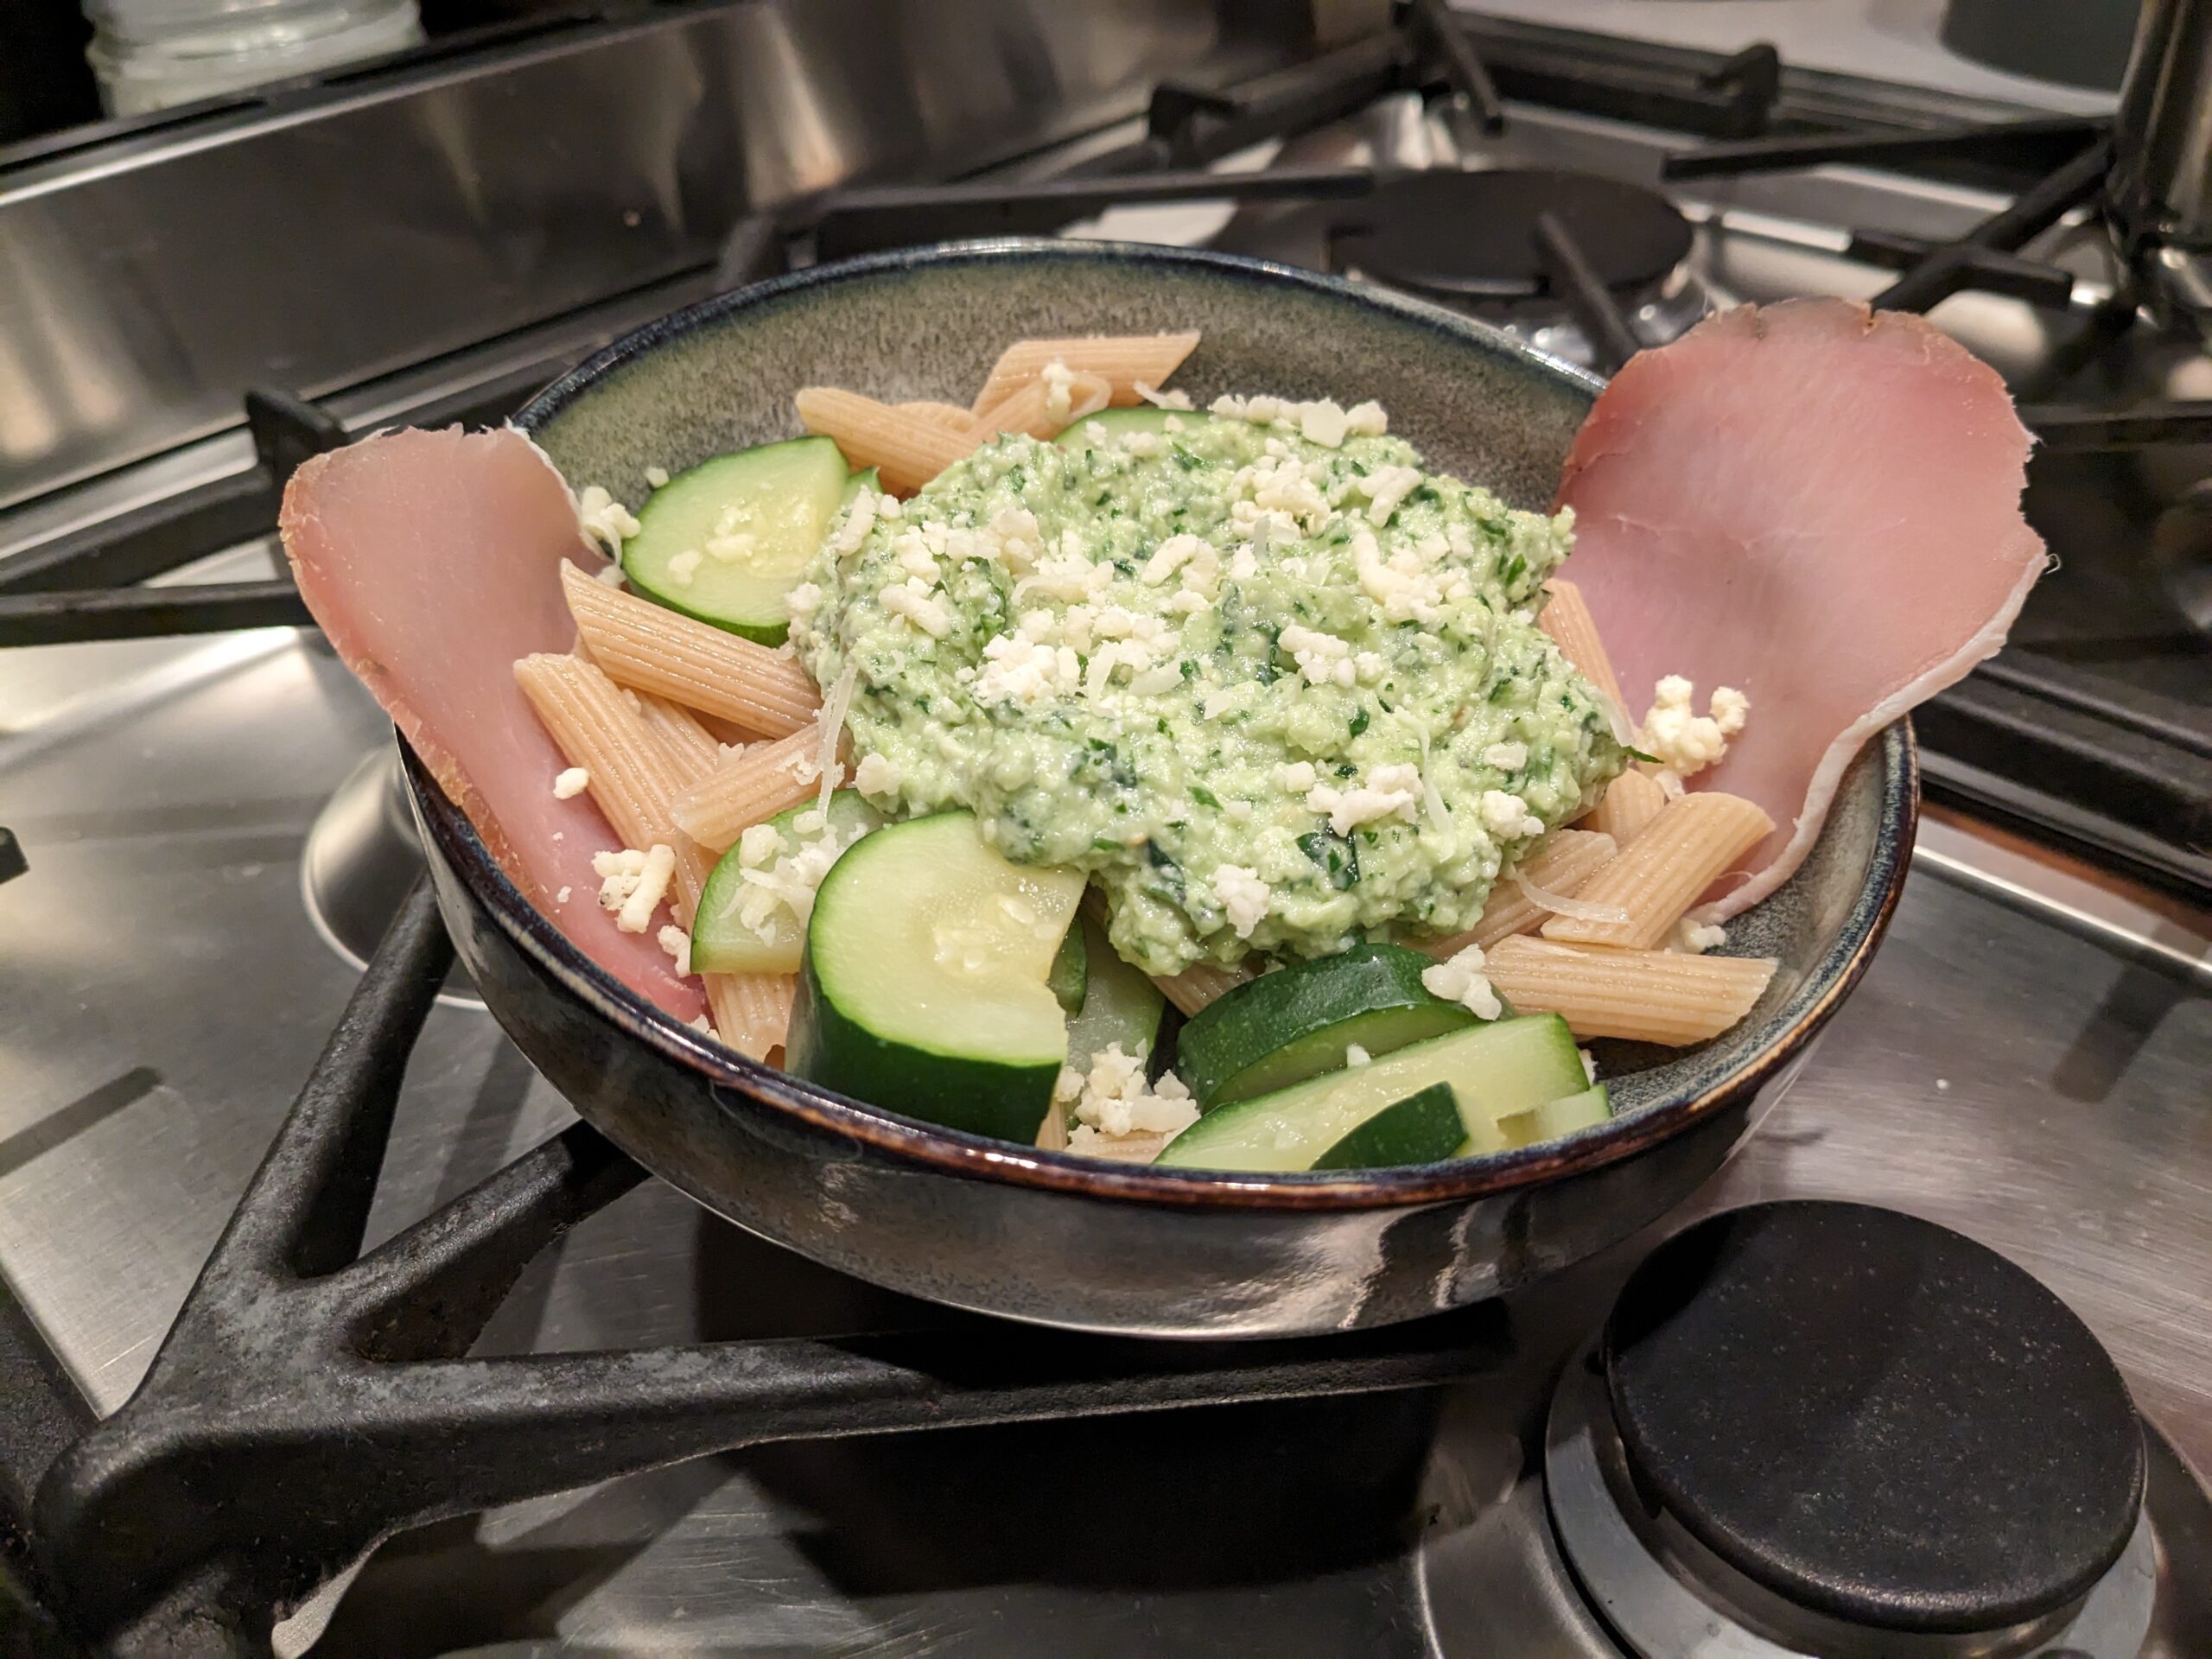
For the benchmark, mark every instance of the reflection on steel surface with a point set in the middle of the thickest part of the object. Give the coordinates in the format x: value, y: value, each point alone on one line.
x: 144, y: 283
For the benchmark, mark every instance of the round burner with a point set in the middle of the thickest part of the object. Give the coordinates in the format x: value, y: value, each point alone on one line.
x: 1471, y: 235
x: 1874, y: 1419
x: 360, y: 859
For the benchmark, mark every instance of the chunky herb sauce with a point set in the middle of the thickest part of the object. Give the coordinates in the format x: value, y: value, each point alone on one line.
x: 1275, y: 684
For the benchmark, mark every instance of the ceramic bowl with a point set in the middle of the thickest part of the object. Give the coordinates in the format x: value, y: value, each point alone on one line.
x: 1052, y: 1237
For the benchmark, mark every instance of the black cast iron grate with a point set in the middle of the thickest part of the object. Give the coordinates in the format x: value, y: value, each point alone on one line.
x: 310, y: 1400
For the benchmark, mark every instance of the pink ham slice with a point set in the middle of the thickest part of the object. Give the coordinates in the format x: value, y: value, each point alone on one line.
x: 1817, y: 505
x: 432, y: 561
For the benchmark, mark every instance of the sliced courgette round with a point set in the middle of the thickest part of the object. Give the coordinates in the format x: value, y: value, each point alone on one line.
x: 725, y: 541
x: 722, y: 941
x: 1556, y: 1117
x: 1120, y: 1004
x: 1424, y: 1127
x: 1295, y: 1023
x: 922, y: 986
x: 1070, y: 977
x: 1115, y: 422
x: 1507, y: 1065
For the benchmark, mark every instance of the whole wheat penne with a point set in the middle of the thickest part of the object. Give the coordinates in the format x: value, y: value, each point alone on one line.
x: 1200, y: 983
x: 1567, y: 619
x: 1651, y: 996
x: 633, y: 776
x: 951, y: 417
x: 751, y: 1011
x: 1121, y: 360
x: 691, y: 745
x: 1052, y: 1131
x: 1039, y: 408
x: 642, y: 645
x: 1630, y: 802
x: 752, y: 788
x: 1657, y: 876
x: 1139, y: 1146
x: 906, y: 450
x: 1565, y: 860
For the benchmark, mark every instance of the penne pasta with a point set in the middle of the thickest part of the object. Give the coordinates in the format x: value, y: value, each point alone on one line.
x: 641, y: 644
x: 633, y: 776
x: 906, y: 450
x: 1567, y: 619
x: 1651, y: 996
x: 1630, y: 802
x: 1033, y: 408
x: 751, y: 788
x: 1681, y: 852
x: 1124, y: 361
x: 1565, y: 860
x: 691, y: 746
x: 1201, y: 983
x: 951, y: 417
x: 751, y: 1011
x: 1053, y: 1132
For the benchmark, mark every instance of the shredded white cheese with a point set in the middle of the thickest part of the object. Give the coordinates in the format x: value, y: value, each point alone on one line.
x: 1461, y: 980
x: 1114, y: 1099
x: 1684, y: 740
x: 678, y: 944
x: 657, y: 477
x: 1243, y: 896
x: 877, y: 777
x: 571, y: 784
x: 834, y: 706
x: 1507, y: 816
x: 1695, y: 940
x: 652, y: 886
x: 606, y: 520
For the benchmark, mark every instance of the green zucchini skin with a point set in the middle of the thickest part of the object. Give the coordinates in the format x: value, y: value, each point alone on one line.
x: 1494, y: 1068
x: 1424, y: 1127
x: 802, y: 479
x: 922, y: 984
x: 1297, y: 1022
x: 984, y: 1097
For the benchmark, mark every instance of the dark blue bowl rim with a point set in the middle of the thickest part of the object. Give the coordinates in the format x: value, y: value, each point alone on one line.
x: 958, y: 1153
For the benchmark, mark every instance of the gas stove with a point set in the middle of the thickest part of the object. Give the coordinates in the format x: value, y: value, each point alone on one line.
x: 199, y: 794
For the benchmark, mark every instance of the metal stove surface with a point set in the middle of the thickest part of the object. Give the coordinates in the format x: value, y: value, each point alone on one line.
x: 2035, y: 1081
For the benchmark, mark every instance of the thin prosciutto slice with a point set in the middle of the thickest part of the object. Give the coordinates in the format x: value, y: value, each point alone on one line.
x: 1816, y: 504
x: 432, y: 561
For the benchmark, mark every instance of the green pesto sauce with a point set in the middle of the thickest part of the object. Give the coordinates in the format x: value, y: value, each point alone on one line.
x: 1165, y: 762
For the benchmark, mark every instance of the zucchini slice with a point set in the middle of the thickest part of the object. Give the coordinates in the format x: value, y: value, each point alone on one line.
x: 1507, y: 1065
x: 722, y: 942
x: 725, y: 541
x: 1557, y: 1117
x: 1422, y: 1129
x: 1120, y: 1004
x: 1070, y: 977
x: 853, y: 485
x: 1143, y: 417
x: 922, y: 986
x: 1296, y: 1022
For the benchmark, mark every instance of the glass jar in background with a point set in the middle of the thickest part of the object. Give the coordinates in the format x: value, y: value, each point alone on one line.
x: 151, y: 54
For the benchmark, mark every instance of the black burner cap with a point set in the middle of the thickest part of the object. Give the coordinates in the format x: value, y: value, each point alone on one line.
x: 1874, y: 1417
x: 1472, y: 236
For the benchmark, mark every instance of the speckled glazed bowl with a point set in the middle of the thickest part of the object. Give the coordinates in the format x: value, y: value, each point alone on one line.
x: 1050, y: 1237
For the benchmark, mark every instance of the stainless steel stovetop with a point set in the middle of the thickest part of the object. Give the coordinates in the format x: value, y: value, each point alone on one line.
x: 2026, y: 1061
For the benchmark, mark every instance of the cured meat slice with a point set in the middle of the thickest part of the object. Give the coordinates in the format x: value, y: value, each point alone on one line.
x: 1817, y: 505
x: 432, y: 561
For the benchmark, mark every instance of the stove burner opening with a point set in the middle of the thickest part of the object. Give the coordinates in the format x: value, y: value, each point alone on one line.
x: 361, y: 858
x: 1471, y: 236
